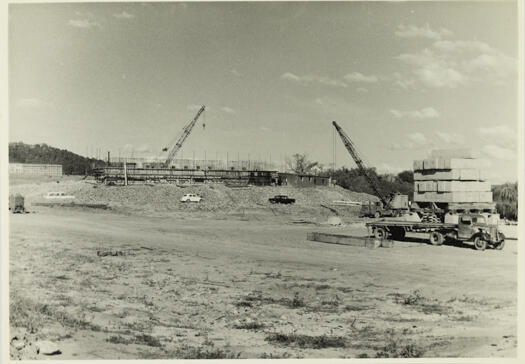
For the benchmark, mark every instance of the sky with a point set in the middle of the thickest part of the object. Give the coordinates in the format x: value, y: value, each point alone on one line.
x: 400, y: 78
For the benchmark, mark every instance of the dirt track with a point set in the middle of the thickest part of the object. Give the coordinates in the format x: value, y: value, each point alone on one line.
x: 196, y: 287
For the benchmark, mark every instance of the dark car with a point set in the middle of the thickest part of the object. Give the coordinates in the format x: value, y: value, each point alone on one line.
x: 281, y: 199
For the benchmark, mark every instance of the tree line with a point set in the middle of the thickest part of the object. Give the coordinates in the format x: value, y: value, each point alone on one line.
x: 44, y: 154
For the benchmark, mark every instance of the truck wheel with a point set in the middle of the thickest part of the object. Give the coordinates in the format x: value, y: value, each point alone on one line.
x: 436, y: 238
x: 480, y: 244
x: 377, y: 214
x: 380, y: 233
x: 501, y: 244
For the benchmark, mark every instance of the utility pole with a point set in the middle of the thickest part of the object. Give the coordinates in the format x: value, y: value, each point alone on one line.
x: 125, y: 174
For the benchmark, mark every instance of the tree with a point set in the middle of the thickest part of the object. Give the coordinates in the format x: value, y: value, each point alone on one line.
x: 300, y: 164
x: 406, y: 176
x: 506, y: 198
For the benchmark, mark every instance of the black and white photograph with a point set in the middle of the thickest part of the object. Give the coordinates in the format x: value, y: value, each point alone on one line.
x: 262, y: 180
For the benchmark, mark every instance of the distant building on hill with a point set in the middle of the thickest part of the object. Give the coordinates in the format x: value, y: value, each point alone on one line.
x: 26, y: 169
x: 302, y: 180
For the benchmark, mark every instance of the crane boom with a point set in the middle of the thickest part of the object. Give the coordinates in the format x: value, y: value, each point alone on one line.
x: 360, y: 164
x: 185, y: 132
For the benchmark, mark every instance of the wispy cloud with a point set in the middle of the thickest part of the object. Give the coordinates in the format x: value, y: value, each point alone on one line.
x: 426, y: 113
x: 417, y: 138
x: 228, y: 110
x: 124, y: 15
x: 500, y: 153
x: 449, y: 138
x: 83, y: 23
x: 308, y: 79
x: 235, y: 73
x: 411, y: 141
x: 450, y: 64
x: 413, y: 31
x: 359, y: 77
x: 496, y: 130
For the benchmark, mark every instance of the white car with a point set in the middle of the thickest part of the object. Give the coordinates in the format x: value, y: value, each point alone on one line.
x: 58, y: 195
x: 190, y: 197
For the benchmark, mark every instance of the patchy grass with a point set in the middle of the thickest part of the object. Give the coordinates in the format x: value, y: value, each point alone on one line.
x: 250, y: 326
x: 413, y: 298
x: 257, y: 298
x: 142, y: 339
x: 23, y: 312
x: 421, y: 303
x: 205, y: 351
x: 357, y: 308
x: 306, y: 341
x: 396, y: 348
x: 469, y: 300
x: 284, y: 355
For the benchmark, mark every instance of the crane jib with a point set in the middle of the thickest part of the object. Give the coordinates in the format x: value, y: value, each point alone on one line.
x: 185, y: 133
x: 360, y: 164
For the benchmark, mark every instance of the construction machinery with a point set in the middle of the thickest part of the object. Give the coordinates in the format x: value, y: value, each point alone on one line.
x: 392, y: 205
x: 16, y: 204
x: 481, y: 230
x: 175, y: 147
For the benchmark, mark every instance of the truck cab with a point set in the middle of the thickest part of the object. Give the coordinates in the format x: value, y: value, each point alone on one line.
x: 480, y: 229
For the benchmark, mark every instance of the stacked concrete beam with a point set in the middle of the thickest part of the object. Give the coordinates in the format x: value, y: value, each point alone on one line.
x: 449, y: 179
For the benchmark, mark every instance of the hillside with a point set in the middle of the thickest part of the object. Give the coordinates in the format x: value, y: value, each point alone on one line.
x: 44, y: 154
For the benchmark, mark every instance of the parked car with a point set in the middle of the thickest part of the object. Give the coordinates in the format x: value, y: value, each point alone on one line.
x: 190, y: 197
x: 281, y: 199
x: 58, y: 195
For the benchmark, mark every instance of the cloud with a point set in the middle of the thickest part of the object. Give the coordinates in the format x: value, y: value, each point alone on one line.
x: 497, y: 131
x: 32, y: 103
x: 308, y: 79
x: 124, y: 15
x: 449, y: 138
x: 228, y: 110
x: 236, y: 73
x: 413, y: 31
x: 143, y: 148
x: 83, y: 23
x: 500, y: 153
x: 450, y: 64
x: 417, y: 138
x: 426, y: 113
x: 405, y: 83
x: 432, y: 70
x: 290, y: 77
x: 414, y: 140
x: 499, y: 134
x: 362, y: 90
x: 359, y: 77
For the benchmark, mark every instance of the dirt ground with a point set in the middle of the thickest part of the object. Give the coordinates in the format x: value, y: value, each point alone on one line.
x: 114, y: 284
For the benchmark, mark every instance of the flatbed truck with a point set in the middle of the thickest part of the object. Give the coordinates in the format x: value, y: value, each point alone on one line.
x: 474, y: 228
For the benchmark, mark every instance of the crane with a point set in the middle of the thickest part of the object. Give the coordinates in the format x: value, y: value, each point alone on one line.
x: 185, y: 132
x: 390, y: 205
x: 360, y: 164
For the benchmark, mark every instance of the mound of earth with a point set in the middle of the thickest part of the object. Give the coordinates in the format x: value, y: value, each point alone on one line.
x: 216, y: 198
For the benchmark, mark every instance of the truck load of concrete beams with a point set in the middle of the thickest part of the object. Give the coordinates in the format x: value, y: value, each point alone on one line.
x: 451, y: 177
